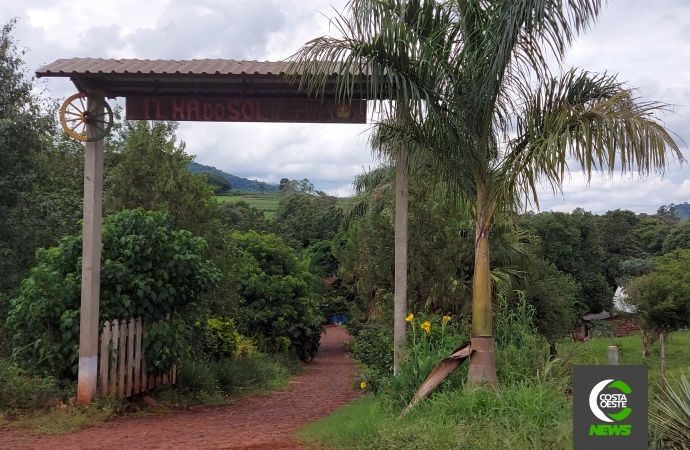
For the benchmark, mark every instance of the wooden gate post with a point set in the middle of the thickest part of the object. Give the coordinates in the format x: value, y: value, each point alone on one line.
x: 91, y: 267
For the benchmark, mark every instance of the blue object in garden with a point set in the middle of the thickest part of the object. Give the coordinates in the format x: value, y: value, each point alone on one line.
x: 338, y: 320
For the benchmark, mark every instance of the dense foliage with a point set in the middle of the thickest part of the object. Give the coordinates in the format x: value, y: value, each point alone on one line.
x: 275, y: 295
x: 149, y: 270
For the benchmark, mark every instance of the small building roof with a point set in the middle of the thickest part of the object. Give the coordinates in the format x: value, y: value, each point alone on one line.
x: 601, y: 316
x: 212, y: 77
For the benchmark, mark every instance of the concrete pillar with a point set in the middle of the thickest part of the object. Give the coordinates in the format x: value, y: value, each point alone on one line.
x: 91, y: 269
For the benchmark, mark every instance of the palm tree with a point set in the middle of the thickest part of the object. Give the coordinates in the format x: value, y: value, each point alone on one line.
x: 394, y: 43
x: 482, y: 104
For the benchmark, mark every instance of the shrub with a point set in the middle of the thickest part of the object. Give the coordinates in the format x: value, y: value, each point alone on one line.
x: 222, y: 338
x: 276, y: 298
x: 520, y: 350
x: 198, y: 380
x: 148, y: 270
x: 18, y: 390
x: 249, y: 374
x: 373, y: 347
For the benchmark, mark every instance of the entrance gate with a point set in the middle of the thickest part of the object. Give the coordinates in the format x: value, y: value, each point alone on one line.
x: 198, y: 90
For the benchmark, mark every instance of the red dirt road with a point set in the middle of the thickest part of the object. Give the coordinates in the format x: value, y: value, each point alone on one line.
x: 253, y: 422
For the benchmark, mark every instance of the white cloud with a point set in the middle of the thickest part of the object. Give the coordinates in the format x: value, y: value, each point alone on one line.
x: 647, y: 43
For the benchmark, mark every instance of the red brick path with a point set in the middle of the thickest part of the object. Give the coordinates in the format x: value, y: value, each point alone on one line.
x: 253, y: 422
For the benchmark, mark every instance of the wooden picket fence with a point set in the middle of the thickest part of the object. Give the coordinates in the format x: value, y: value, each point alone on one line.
x: 122, y: 367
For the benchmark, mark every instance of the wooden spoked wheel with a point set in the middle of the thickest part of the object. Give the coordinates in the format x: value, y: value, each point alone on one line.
x: 86, y: 117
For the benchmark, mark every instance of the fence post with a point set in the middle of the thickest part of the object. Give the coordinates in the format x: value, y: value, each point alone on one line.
x: 105, y: 356
x: 121, y: 355
x: 112, y: 356
x: 138, y: 347
x: 613, y: 355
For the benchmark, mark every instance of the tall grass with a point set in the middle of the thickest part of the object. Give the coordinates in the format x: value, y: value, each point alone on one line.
x: 209, y: 383
x: 526, y: 415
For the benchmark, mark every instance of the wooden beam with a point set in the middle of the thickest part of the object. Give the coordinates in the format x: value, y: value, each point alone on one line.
x: 91, y: 268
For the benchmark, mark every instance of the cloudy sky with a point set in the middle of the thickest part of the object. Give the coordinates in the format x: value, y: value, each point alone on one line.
x: 646, y: 42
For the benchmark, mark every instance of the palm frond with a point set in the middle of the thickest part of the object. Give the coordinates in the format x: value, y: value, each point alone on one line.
x: 591, y: 120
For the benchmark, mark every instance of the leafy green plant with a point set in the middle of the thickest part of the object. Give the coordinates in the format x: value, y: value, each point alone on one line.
x: 373, y: 347
x: 520, y: 349
x: 197, y: 379
x: 149, y: 270
x: 222, y: 338
x: 670, y: 419
x: 433, y: 338
x: 275, y: 295
x: 19, y: 390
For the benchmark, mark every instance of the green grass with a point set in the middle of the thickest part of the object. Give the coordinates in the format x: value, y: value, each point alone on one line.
x: 593, y: 352
x: 521, y: 416
x: 524, y: 415
x: 268, y: 202
x: 68, y: 418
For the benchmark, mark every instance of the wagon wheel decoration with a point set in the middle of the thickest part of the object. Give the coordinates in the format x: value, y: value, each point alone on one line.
x: 80, y: 113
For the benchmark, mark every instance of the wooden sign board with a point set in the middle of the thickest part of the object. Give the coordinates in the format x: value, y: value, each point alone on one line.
x: 218, y: 109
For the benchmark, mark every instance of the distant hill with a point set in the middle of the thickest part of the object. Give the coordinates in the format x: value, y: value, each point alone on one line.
x: 236, y: 182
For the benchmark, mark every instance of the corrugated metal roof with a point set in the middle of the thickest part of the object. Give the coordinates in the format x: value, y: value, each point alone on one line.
x: 90, y: 66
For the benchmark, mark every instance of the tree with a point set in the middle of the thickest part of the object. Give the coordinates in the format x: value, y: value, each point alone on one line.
x: 219, y: 184
x: 554, y: 297
x: 651, y: 232
x: 462, y: 75
x: 147, y: 168
x: 39, y: 203
x: 661, y: 294
x: 678, y: 238
x: 619, y: 241
x: 304, y: 219
x: 573, y: 243
x: 399, y: 44
x: 283, y: 182
x: 242, y: 216
x: 262, y: 187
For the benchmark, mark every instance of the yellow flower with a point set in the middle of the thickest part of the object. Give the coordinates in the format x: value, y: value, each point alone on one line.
x: 446, y: 319
x: 426, y: 326
x: 363, y: 385
x: 409, y: 318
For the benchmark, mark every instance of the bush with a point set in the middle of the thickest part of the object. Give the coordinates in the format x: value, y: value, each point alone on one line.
x: 148, y: 270
x: 198, y: 382
x: 249, y: 374
x: 222, y: 338
x: 276, y: 298
x: 373, y: 347
x: 203, y: 382
x: 520, y: 350
x: 18, y: 390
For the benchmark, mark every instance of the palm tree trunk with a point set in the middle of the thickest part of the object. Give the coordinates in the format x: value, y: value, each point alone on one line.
x: 400, y: 297
x: 483, y: 360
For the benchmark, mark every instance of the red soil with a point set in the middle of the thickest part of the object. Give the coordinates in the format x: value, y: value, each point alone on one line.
x: 253, y: 422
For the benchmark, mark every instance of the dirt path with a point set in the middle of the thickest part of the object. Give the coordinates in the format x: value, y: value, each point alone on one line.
x: 251, y: 423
